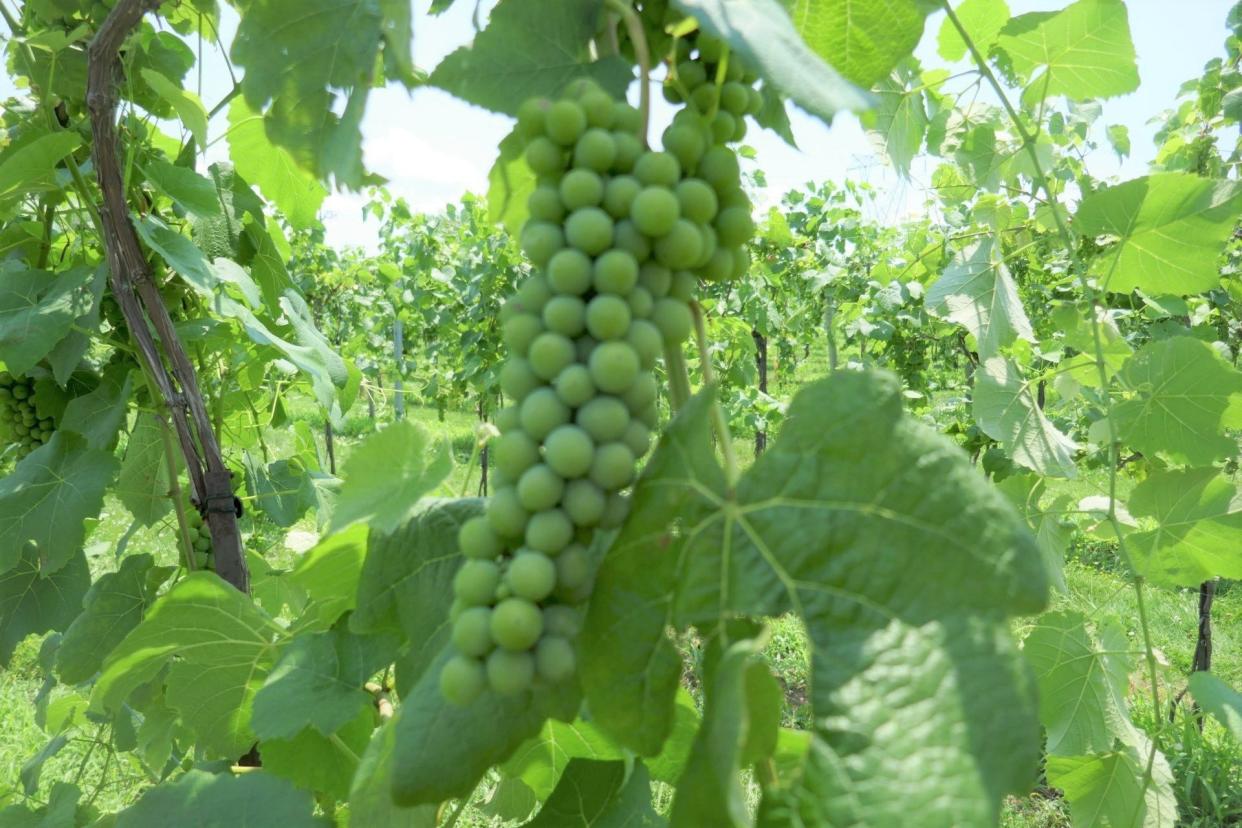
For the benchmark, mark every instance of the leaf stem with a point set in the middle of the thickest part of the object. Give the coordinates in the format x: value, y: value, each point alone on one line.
x: 678, y: 376
x: 709, y: 378
x: 635, y: 28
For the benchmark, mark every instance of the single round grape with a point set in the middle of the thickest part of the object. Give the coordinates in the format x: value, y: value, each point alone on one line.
x: 613, y: 466
x: 531, y: 575
x: 20, y: 392
x: 566, y: 315
x: 629, y: 150
x: 739, y: 129
x: 657, y: 169
x: 673, y: 319
x: 736, y: 70
x: 608, y: 317
x: 734, y: 226
x: 718, y: 167
x: 656, y: 278
x: 515, y: 452
x: 647, y: 342
x: 733, y: 196
x: 505, y: 513
x: 719, y: 267
x: 516, y: 624
x: 542, y: 411
x: 597, y: 105
x: 650, y: 417
x: 671, y: 93
x: 754, y: 104
x: 705, y: 98
x: 549, y: 531
x: 638, y: 438
x: 640, y: 302
x: 697, y: 200
x: 567, y: 451
x: 510, y: 673
x: 615, y: 272
x: 544, y: 204
x: 589, y: 229
x: 521, y: 329
x: 530, y: 116
x: 655, y: 211
x: 472, y: 634
x: 735, y: 97
x: 506, y: 419
x: 604, y: 419
x: 540, y: 239
x: 619, y: 194
x: 569, y: 271
x: 573, y: 571
x: 517, y: 379
x: 202, y: 544
x: 595, y: 150
x: 581, y: 188
x: 565, y: 122
x: 723, y: 125
x: 681, y: 247
x: 562, y: 620
x: 741, y: 262
x: 625, y: 117
x: 549, y: 354
x: 614, y: 366
x: 583, y: 501
x: 615, y: 512
x: 544, y: 157
x: 683, y: 287
x: 691, y: 73
x: 627, y: 238
x: 574, y: 385
x: 462, y: 680
x: 476, y: 539
x: 708, y: 237
x: 475, y: 582
x: 554, y: 659
x: 540, y: 488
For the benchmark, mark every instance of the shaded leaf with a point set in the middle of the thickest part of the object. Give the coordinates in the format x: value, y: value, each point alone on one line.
x: 204, y: 800
x: 387, y: 475
x: 34, y: 599
x: 1006, y: 409
x: 977, y: 292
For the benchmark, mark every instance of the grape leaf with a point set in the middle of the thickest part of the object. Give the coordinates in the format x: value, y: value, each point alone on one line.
x: 510, y: 183
x: 1006, y: 410
x: 283, y: 490
x: 1085, y: 50
x: 977, y: 292
x: 761, y: 32
x: 37, y: 507
x: 1219, y: 699
x: 1198, y: 531
x: 31, y: 165
x: 1170, y: 229
x: 900, y: 118
x: 186, y: 104
x: 204, y: 800
x: 60, y: 811
x: 602, y: 795
x: 316, y: 762
x: 195, y: 193
x: 1108, y: 788
x: 861, y: 39
x: 540, y: 761
x: 983, y: 21
x: 98, y: 415
x: 387, y: 475
x: 330, y: 571
x: 530, y: 48
x: 143, y: 483
x: 370, y: 798
x: 294, y: 191
x: 35, y: 599
x: 900, y: 558
x: 38, y: 310
x: 67, y: 354
x: 1181, y: 391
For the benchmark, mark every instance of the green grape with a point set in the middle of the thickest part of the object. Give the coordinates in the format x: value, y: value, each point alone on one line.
x: 608, y: 317
x: 539, y: 488
x: 656, y: 278
x: 673, y: 319
x: 735, y: 97
x: 671, y: 93
x: 518, y: 332
x: 517, y: 379
x: 544, y: 204
x: 554, y: 659
x: 569, y: 271
x: 544, y: 157
x: 476, y: 539
x: 655, y: 211
x: 573, y: 572
x: 20, y: 392
x: 604, y: 419
x: 734, y: 226
x: 549, y: 354
x: 574, y: 385
x: 681, y: 247
x: 532, y: 576
x: 682, y: 287
x: 711, y: 49
x: 723, y: 126
x: 589, y: 229
x: 691, y: 73
x: 566, y: 315
x: 614, y: 366
x: 647, y: 342
x: 627, y: 238
x: 626, y: 118
x: 697, y: 200
x: 476, y: 581
x: 640, y: 302
x: 619, y: 194
x: 505, y: 514
x: 638, y: 438
x: 615, y: 272
x: 595, y: 150
x: 581, y: 188
x: 562, y: 620
x: 542, y: 411
x: 615, y: 512
x: 719, y: 168
x: 583, y: 501
x: 739, y: 129
x: 598, y: 107
x: 657, y: 169
x: 549, y: 531
x: 516, y: 624
x: 629, y: 150
x: 506, y: 419
x: 514, y: 452
x: 202, y: 544
x: 719, y: 267
x: 705, y: 98
x: 650, y: 417
x: 530, y: 116
x: 613, y: 466
x: 462, y: 680
x: 741, y: 262
x: 733, y: 196
x: 510, y: 673
x: 565, y: 122
x: 202, y: 559
x: 708, y: 237
x: 567, y: 451
x: 472, y: 634
x: 685, y: 143
x: 540, y: 239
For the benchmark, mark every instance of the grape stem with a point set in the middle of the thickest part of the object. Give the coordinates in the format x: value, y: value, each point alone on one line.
x: 678, y: 376
x: 635, y: 27
x: 709, y: 378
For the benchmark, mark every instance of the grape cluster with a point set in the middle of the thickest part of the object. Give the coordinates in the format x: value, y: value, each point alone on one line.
x: 200, y: 538
x: 19, y: 417
x: 715, y: 85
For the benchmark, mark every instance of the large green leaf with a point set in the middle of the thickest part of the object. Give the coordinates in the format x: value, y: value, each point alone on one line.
x: 1108, y: 788
x: 35, y: 599
x: 1197, y: 534
x: 900, y: 117
x: 982, y: 20
x: 1181, y: 392
x: 861, y: 39
x: 763, y: 34
x: 977, y: 292
x: 193, y: 192
x: 188, y: 106
x: 330, y: 571
x: 1170, y: 229
x: 296, y: 192
x: 510, y: 182
x: 31, y: 165
x: 387, y: 475
x: 36, y: 507
x: 317, y: 762
x: 1084, y: 49
x: 224, y: 645
x: 204, y: 800
x: 1219, y: 699
x: 370, y: 798
x: 530, y: 48
x: 38, y: 310
x: 1007, y: 410
x: 143, y: 484
x: 900, y: 558
x: 601, y: 795
x: 541, y: 760
x: 98, y: 415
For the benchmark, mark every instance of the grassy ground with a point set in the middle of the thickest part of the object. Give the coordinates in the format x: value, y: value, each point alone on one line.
x: 1096, y: 587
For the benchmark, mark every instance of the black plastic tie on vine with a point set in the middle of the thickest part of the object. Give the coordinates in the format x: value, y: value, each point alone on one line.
x: 234, y: 505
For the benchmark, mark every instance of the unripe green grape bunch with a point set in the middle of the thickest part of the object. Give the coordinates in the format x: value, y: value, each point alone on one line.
x: 200, y: 539
x: 20, y: 423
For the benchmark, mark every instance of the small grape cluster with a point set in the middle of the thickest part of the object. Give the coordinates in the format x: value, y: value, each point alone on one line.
x: 19, y: 416
x: 200, y: 538
x: 715, y: 85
